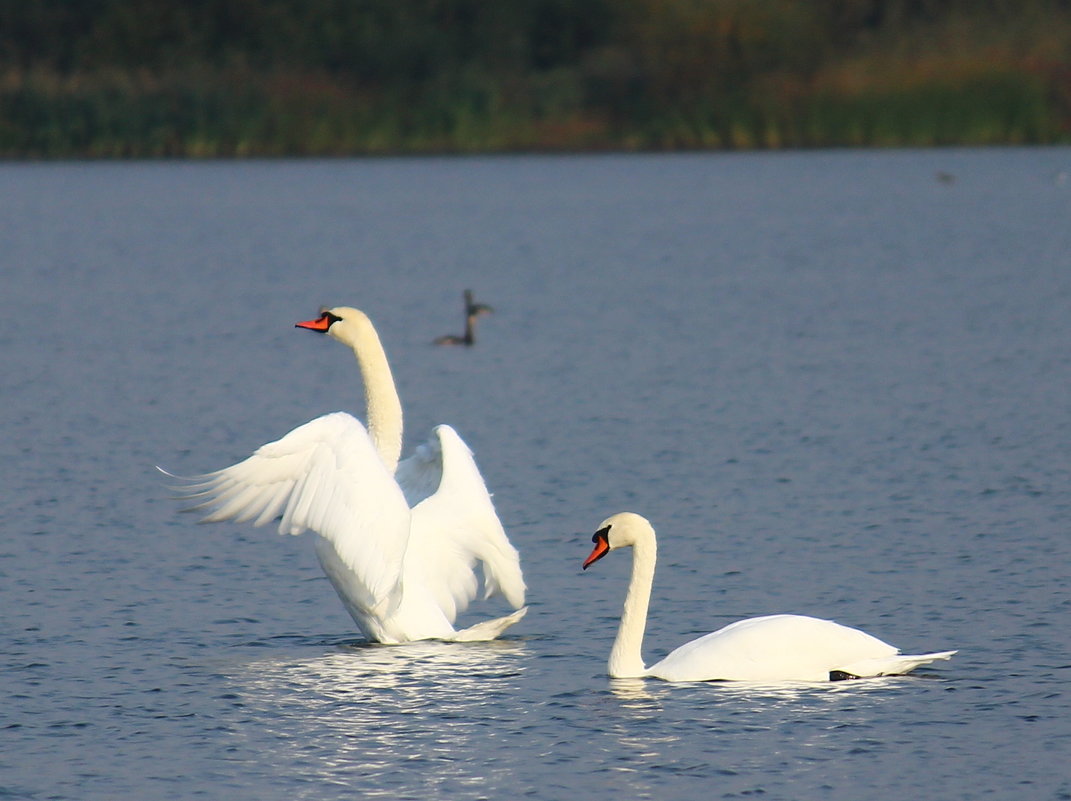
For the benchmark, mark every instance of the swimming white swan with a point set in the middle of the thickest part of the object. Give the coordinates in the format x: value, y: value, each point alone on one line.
x: 764, y: 649
x: 399, y: 542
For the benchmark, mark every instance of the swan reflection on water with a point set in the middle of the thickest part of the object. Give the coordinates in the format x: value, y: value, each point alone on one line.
x: 640, y: 695
x: 661, y: 731
x: 365, y: 670
x: 408, y: 718
x: 634, y: 693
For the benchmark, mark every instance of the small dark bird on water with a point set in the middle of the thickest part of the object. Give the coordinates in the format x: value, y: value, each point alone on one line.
x: 472, y: 311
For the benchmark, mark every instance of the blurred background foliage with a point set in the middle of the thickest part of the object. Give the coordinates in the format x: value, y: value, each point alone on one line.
x: 206, y: 78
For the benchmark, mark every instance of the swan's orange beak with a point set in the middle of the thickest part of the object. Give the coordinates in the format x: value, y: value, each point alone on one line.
x: 602, y: 547
x: 321, y: 323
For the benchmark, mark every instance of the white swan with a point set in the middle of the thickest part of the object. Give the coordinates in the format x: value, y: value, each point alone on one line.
x: 763, y: 649
x: 399, y: 542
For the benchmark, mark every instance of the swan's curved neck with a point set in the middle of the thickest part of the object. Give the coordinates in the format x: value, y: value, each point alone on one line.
x: 380, y: 395
x: 626, y: 658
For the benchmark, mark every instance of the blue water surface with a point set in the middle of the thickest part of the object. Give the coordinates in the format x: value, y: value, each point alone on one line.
x: 835, y: 384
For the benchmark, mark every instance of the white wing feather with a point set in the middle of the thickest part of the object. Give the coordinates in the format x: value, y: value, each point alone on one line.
x: 454, y: 527
x: 325, y: 476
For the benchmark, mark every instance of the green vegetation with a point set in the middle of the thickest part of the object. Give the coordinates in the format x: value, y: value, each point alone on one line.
x: 203, y: 78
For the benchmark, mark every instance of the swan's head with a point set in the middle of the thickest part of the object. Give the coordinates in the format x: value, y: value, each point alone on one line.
x: 342, y: 323
x: 618, y: 531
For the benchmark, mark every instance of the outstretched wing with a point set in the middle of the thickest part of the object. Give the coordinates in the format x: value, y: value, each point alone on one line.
x: 454, y: 526
x: 325, y: 476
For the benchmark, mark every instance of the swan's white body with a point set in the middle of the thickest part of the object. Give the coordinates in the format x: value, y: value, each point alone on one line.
x: 398, y: 541
x: 774, y: 648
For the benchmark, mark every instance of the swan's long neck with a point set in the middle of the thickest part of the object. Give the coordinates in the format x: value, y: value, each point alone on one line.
x: 381, y: 397
x: 626, y: 658
x: 470, y: 329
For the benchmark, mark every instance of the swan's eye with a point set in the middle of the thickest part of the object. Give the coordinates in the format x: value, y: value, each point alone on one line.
x: 331, y: 318
x: 603, y: 533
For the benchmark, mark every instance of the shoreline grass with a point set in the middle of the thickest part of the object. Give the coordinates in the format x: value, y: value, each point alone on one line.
x: 632, y: 75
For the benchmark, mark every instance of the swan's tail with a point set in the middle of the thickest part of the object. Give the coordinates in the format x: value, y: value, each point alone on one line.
x: 895, y: 665
x: 488, y: 629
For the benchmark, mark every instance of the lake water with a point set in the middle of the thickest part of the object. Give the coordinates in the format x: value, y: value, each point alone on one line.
x: 836, y: 385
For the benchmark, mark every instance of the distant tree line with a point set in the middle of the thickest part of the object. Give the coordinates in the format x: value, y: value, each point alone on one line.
x: 108, y: 78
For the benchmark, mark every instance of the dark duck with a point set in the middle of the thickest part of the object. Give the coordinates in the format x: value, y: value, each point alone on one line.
x: 472, y: 311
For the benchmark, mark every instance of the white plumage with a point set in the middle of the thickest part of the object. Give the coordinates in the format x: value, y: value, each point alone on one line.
x: 399, y: 541
x: 773, y: 648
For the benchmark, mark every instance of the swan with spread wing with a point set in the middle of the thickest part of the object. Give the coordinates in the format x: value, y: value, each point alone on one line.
x: 399, y: 541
